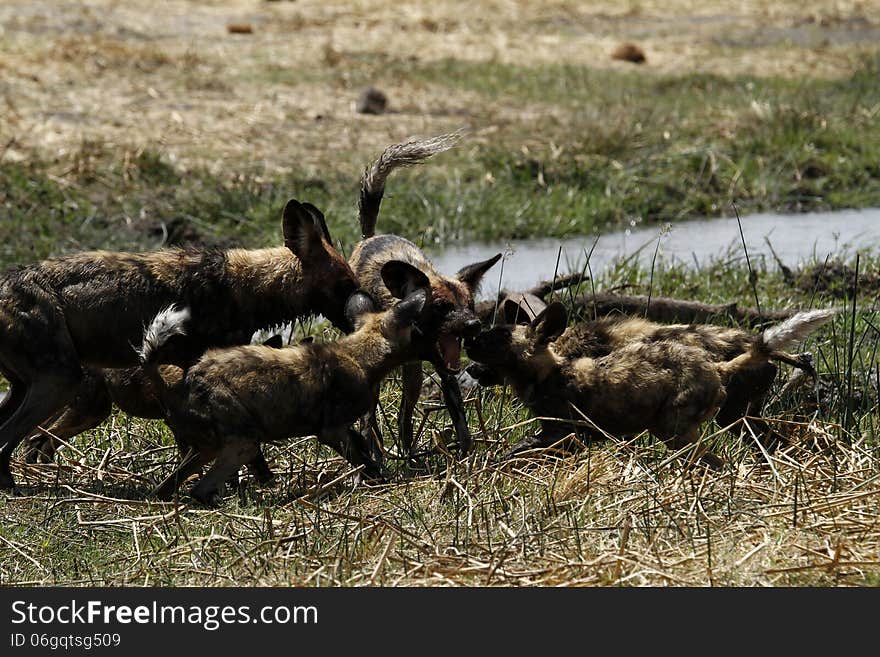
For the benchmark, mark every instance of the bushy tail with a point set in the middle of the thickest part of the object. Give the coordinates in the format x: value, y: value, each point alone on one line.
x: 395, y: 156
x: 774, y: 340
x: 795, y: 329
x: 168, y: 323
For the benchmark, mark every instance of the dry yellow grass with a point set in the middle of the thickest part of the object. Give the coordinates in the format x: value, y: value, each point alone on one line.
x: 624, y: 514
x: 175, y: 80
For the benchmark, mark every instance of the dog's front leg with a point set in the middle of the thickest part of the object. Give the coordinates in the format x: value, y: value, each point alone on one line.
x: 353, y: 447
x: 455, y: 405
x: 411, y: 377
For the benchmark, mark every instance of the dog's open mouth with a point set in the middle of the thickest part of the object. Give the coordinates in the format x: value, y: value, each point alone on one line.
x: 449, y: 350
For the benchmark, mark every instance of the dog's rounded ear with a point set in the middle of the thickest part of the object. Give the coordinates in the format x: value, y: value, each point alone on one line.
x: 402, y: 279
x: 521, y: 308
x: 513, y: 312
x: 302, y: 229
x: 309, y: 339
x: 276, y: 342
x: 410, y: 309
x: 551, y: 323
x: 359, y: 305
x: 473, y: 274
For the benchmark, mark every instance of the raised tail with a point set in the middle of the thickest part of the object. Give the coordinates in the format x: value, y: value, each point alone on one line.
x: 773, y: 342
x: 395, y: 156
x: 169, y: 322
x: 794, y: 329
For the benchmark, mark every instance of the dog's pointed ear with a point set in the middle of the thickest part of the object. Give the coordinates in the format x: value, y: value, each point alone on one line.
x: 551, y: 323
x: 359, y: 305
x: 402, y: 279
x: 407, y: 311
x: 318, y: 217
x: 473, y: 274
x: 303, y: 230
x: 275, y: 342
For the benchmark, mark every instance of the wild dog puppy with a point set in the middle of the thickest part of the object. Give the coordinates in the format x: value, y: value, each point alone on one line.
x: 746, y: 390
x: 511, y: 308
x: 667, y: 386
x: 131, y: 391
x: 87, y: 309
x: 232, y: 399
x: 390, y: 267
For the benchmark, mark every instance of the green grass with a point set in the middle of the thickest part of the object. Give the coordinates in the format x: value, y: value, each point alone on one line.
x: 621, y: 148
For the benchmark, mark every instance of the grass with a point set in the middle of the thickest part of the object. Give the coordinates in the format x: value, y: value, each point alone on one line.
x: 617, y: 513
x: 615, y: 149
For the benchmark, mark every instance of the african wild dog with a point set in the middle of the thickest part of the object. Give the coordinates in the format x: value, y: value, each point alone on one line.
x: 667, y: 383
x: 227, y: 403
x: 390, y: 267
x: 746, y: 390
x: 87, y: 309
x: 99, y: 390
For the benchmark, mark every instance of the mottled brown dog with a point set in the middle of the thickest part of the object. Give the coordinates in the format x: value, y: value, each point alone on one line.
x: 637, y: 377
x: 389, y: 267
x: 747, y: 388
x: 87, y: 309
x: 99, y: 390
x: 233, y: 399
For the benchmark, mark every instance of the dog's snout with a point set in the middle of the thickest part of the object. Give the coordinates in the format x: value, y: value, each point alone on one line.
x: 472, y: 328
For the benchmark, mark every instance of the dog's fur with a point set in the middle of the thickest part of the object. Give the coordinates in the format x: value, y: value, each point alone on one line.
x: 747, y: 389
x: 621, y: 377
x: 87, y: 309
x: 389, y: 267
x: 233, y: 399
x: 130, y: 390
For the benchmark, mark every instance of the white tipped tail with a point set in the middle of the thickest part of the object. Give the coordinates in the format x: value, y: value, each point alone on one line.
x: 394, y: 157
x: 168, y: 323
x: 795, y: 329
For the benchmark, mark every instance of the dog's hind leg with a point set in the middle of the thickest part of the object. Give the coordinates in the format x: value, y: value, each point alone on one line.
x: 259, y: 470
x: 411, y: 377
x: 90, y: 406
x: 42, y: 399
x: 455, y: 404
x: 747, y: 391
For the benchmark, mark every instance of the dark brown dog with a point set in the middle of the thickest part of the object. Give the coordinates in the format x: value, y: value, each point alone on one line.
x: 233, y: 399
x: 87, y: 309
x: 390, y: 267
x: 99, y: 390
x: 666, y: 380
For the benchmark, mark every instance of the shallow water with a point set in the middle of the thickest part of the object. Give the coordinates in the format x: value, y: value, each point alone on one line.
x: 796, y: 238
